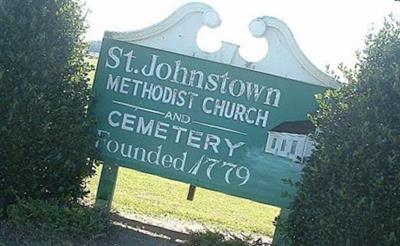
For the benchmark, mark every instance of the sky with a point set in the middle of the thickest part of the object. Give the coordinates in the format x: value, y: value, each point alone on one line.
x: 328, y: 32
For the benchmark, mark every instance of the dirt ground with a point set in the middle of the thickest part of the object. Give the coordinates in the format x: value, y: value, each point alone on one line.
x: 141, y: 230
x: 144, y: 230
x: 130, y: 230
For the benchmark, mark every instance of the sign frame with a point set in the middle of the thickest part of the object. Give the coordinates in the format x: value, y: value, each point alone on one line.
x: 168, y: 34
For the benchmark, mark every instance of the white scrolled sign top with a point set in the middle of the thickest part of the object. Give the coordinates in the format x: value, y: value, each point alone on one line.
x: 178, y: 33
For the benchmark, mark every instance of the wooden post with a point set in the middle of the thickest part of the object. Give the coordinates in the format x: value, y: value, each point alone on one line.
x: 279, y: 239
x: 192, y: 190
x: 105, y: 190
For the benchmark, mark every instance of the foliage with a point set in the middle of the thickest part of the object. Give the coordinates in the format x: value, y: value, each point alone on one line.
x: 350, y: 192
x: 44, y: 220
x: 210, y: 238
x: 45, y: 144
x: 38, y: 222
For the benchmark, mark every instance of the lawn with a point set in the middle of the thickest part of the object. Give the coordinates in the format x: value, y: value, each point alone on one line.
x: 157, y: 197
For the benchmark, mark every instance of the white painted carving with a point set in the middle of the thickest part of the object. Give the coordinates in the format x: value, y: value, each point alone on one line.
x: 178, y: 34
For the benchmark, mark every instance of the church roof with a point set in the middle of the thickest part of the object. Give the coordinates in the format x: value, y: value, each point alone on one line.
x: 297, y: 127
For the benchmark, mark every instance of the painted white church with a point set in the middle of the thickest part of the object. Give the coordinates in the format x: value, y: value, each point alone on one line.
x: 291, y: 140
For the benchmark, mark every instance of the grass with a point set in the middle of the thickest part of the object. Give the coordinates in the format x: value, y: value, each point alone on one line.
x: 157, y: 197
x: 146, y: 194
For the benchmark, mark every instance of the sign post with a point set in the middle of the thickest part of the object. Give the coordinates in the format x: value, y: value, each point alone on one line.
x: 192, y: 190
x: 278, y: 239
x: 107, y: 182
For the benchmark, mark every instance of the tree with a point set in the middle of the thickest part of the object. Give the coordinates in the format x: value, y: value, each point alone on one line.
x: 350, y: 191
x: 46, y: 147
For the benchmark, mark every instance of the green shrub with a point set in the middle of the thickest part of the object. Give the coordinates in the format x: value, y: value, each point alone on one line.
x: 46, y: 220
x: 45, y: 144
x: 350, y: 191
x: 209, y: 238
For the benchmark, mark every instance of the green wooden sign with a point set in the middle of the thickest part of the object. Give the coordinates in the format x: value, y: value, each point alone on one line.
x: 213, y: 125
